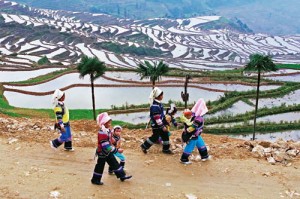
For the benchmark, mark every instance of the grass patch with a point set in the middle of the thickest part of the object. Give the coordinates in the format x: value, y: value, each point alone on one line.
x: 248, y: 129
x: 46, y: 76
x: 288, y: 66
x: 78, y: 114
x: 250, y: 115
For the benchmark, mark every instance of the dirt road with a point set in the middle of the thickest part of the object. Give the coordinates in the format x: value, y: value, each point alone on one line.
x: 31, y: 169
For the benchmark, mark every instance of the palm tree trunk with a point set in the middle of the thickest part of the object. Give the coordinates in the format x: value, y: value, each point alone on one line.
x: 153, y: 84
x: 185, y: 91
x: 256, y: 104
x: 93, y: 96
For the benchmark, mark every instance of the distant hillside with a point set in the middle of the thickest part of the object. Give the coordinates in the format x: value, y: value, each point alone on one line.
x: 268, y: 16
x: 205, y: 42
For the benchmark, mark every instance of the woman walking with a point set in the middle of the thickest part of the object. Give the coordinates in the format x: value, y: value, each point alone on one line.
x: 62, y: 122
x: 158, y: 123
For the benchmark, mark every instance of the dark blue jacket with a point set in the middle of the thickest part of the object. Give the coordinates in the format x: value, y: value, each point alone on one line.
x: 157, y: 115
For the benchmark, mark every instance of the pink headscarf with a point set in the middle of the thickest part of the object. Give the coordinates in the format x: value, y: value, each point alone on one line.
x: 102, y: 118
x: 200, y: 108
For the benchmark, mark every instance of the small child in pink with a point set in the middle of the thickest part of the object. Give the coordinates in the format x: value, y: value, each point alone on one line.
x: 105, y: 152
x: 116, y: 141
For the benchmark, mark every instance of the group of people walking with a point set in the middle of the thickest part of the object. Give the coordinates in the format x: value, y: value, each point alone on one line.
x: 109, y: 138
x: 192, y: 120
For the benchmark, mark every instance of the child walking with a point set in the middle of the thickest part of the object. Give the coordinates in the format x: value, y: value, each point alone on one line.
x: 115, y: 139
x: 170, y: 114
x: 192, y: 133
x: 186, y: 117
x: 105, y: 152
x: 62, y: 122
x: 158, y: 123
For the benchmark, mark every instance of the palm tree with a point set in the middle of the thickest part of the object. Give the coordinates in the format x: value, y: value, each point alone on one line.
x: 259, y: 63
x: 154, y: 72
x: 93, y: 67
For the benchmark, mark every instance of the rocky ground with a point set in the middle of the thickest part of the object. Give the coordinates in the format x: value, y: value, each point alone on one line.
x: 238, y: 168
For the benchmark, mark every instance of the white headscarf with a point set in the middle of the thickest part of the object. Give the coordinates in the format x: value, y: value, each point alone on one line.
x: 56, y: 96
x: 154, y: 94
x: 172, y: 108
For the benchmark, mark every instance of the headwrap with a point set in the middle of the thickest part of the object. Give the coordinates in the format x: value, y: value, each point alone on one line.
x: 200, y: 108
x: 117, y: 127
x: 187, y: 113
x: 154, y: 94
x: 56, y: 96
x: 102, y: 118
x: 172, y: 109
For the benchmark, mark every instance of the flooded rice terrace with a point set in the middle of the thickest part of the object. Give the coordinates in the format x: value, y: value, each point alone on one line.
x: 80, y: 97
x: 114, y: 88
x: 125, y: 88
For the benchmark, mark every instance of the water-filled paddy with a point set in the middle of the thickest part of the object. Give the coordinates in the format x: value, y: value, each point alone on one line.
x: 289, y: 99
x: 15, y: 76
x: 239, y: 107
x: 80, y: 97
x: 290, y: 78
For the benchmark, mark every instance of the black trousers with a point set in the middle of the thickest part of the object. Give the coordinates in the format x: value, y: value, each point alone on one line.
x: 113, y: 164
x: 154, y: 137
x: 67, y: 144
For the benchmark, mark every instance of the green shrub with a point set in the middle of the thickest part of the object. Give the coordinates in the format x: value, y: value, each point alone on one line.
x: 122, y: 49
x: 43, y: 61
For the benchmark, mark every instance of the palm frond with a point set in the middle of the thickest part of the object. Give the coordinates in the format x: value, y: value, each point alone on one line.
x: 260, y: 62
x: 91, y: 66
x: 152, y: 71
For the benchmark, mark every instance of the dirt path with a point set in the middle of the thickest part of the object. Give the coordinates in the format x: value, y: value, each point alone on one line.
x: 33, y: 170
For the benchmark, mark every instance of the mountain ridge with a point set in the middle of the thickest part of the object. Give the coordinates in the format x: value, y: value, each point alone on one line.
x: 266, y: 17
x: 196, y: 42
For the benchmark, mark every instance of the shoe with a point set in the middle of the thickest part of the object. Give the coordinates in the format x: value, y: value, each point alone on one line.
x: 71, y: 150
x: 167, y: 151
x: 110, y: 172
x: 205, y: 159
x: 185, y: 162
x: 143, y: 149
x: 96, y: 182
x: 125, y: 178
x: 52, y: 146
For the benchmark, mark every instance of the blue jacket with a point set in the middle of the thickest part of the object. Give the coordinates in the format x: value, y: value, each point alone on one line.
x: 157, y: 115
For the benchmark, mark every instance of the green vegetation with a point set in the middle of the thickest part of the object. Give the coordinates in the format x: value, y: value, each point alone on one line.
x: 224, y: 23
x: 222, y: 103
x: 43, y: 61
x: 248, y: 129
x: 6, y: 109
x: 126, y: 49
x: 288, y: 66
x: 230, y: 98
x: 152, y: 71
x: 248, y: 115
x: 46, y: 77
x: 79, y: 114
x: 259, y: 63
x: 140, y: 38
x: 233, y: 76
x: 95, y: 69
